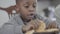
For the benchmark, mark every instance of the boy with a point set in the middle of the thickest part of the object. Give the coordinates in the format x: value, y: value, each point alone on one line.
x: 19, y: 24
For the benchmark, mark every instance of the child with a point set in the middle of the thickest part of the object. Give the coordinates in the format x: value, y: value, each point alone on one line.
x: 19, y: 24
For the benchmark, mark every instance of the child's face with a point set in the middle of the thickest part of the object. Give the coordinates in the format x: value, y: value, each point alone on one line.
x: 27, y: 8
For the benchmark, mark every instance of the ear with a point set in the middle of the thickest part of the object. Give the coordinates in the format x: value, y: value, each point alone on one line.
x: 17, y: 9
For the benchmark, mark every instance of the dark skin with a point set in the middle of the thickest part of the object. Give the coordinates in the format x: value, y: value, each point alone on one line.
x: 27, y: 10
x: 52, y: 25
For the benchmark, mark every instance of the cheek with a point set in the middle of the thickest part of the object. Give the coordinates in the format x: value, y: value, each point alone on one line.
x: 35, y: 9
x: 24, y: 12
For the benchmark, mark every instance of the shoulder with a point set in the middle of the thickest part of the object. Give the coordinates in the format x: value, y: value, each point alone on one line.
x: 13, y: 20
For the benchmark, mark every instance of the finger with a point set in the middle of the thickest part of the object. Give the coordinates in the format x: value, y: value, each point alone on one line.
x: 36, y: 24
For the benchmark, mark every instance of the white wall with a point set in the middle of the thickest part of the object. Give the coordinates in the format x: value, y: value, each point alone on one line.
x: 6, y: 3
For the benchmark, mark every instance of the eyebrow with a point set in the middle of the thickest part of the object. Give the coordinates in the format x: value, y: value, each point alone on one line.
x: 26, y: 3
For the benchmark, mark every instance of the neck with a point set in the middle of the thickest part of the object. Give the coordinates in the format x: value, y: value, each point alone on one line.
x: 25, y: 20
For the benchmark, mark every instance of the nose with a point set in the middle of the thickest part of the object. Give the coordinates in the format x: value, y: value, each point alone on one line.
x: 31, y: 9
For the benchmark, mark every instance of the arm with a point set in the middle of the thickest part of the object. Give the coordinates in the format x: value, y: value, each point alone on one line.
x: 11, y: 29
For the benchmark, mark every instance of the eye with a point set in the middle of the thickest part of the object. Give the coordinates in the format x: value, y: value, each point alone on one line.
x: 34, y: 5
x: 26, y: 6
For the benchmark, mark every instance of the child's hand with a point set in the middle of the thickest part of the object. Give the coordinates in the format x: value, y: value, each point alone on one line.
x: 31, y: 25
x: 52, y: 25
x: 35, y: 24
x: 27, y: 27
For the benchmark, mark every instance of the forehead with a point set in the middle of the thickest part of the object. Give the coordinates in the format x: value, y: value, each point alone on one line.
x: 29, y: 1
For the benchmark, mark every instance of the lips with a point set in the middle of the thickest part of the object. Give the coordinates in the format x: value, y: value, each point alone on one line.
x: 31, y: 15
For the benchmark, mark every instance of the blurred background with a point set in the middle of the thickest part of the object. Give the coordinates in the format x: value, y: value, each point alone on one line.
x: 45, y: 8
